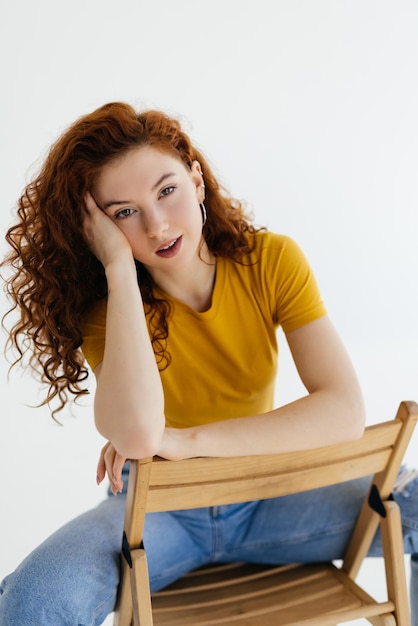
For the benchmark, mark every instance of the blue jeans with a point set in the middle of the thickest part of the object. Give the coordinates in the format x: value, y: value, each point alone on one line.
x: 72, y: 578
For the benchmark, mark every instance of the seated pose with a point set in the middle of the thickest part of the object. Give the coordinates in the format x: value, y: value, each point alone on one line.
x: 127, y: 253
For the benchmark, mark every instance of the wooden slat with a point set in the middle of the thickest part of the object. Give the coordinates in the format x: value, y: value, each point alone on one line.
x: 264, y: 582
x: 376, y: 437
x: 223, y: 575
x: 293, y: 597
x: 257, y: 488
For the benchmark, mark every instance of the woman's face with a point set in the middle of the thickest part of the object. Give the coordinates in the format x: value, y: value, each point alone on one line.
x: 154, y: 200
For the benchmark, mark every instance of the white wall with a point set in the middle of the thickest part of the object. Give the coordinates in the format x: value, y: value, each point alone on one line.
x: 306, y: 108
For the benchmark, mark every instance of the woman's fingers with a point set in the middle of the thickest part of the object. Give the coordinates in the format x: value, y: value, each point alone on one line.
x: 101, y: 466
x: 89, y: 219
x: 90, y: 203
x: 109, y: 458
x: 111, y: 463
x: 118, y: 464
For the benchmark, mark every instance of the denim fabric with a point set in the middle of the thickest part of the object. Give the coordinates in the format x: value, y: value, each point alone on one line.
x: 71, y: 579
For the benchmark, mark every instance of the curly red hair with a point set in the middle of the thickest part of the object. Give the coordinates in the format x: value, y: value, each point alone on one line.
x: 55, y: 277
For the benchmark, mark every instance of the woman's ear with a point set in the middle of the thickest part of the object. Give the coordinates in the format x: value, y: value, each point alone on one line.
x: 197, y: 177
x: 196, y: 169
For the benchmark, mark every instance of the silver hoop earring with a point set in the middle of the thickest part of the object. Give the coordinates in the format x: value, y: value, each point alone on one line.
x: 204, y: 213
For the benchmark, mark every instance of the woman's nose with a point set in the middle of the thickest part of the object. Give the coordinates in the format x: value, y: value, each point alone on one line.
x: 156, y: 223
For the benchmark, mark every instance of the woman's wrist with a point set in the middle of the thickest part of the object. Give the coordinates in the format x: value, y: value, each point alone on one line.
x: 179, y: 443
x: 121, y: 267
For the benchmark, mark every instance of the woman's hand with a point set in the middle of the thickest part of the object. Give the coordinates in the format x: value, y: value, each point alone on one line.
x: 106, y: 240
x: 111, y: 462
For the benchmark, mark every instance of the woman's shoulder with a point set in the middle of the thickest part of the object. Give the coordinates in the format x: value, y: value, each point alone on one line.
x: 261, y: 242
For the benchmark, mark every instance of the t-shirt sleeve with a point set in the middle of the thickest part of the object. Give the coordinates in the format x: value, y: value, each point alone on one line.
x: 94, y: 332
x: 296, y: 296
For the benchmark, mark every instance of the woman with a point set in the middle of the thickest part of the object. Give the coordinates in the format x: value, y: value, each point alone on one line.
x: 128, y: 253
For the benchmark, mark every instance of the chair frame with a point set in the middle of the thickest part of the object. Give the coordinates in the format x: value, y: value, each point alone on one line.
x: 159, y: 485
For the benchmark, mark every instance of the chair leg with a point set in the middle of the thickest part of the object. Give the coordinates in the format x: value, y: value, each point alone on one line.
x: 141, y: 596
x: 123, y: 612
x: 392, y: 543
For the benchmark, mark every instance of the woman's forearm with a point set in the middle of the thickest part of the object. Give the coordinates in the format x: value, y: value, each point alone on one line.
x: 129, y: 401
x: 319, y: 419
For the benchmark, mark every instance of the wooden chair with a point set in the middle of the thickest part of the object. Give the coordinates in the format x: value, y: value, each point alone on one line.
x: 239, y: 594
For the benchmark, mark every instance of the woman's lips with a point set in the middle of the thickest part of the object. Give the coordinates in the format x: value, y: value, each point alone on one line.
x: 170, y: 249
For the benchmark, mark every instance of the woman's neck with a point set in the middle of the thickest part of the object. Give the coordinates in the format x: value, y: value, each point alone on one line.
x: 193, y: 285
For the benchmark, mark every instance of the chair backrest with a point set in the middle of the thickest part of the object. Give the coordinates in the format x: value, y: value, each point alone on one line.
x: 160, y: 485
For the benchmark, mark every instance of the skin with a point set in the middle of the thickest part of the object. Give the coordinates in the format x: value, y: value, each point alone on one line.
x: 141, y: 204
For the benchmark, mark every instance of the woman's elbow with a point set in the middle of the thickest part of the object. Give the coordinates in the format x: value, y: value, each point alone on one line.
x: 138, y: 446
x: 133, y: 439
x: 355, y: 418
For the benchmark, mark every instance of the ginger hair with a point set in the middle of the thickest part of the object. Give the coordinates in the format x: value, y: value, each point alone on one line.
x: 54, y: 277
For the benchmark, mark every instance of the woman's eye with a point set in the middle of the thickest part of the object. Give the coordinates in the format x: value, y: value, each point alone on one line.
x: 167, y: 190
x: 124, y: 213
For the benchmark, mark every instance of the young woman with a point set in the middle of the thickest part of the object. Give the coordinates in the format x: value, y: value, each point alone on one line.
x: 128, y: 253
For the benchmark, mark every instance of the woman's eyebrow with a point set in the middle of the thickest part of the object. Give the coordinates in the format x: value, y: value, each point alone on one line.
x: 162, y: 179
x: 114, y: 203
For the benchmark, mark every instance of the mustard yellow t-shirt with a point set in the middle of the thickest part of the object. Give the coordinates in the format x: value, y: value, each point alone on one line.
x: 224, y: 360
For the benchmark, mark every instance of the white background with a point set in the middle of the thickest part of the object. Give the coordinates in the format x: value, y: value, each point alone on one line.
x: 306, y: 108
